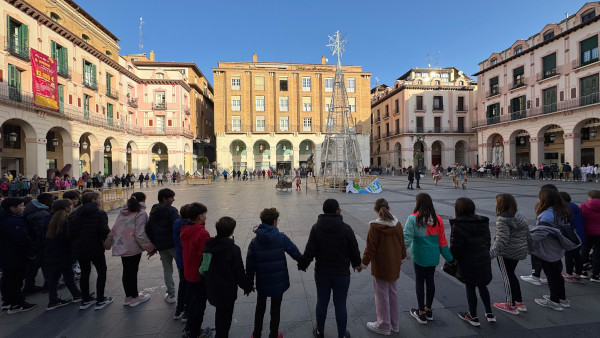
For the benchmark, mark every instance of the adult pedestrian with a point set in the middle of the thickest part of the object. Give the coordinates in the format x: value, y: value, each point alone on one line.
x: 141, y: 179
x: 88, y: 229
x: 424, y: 234
x: 591, y: 221
x: 129, y: 240
x: 470, y: 246
x: 385, y: 251
x: 333, y: 245
x: 35, y: 215
x: 411, y: 178
x: 160, y: 232
x: 147, y: 180
x: 510, y: 246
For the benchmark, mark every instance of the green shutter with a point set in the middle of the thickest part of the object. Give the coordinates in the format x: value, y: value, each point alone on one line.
x: 53, y: 51
x: 65, y: 58
x: 24, y: 39
x: 549, y: 62
x: 83, y: 62
x: 589, y: 44
x: 108, y: 83
x: 8, y: 35
x: 61, y: 93
x: 518, y: 71
x: 11, y: 75
x: 18, y: 79
x: 94, y: 75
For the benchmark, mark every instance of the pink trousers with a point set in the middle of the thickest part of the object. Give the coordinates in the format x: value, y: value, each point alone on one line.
x: 386, y: 304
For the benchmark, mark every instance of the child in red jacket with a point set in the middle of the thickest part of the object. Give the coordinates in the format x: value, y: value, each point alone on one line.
x: 193, y: 237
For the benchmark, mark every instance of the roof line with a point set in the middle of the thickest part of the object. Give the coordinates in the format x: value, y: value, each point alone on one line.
x: 174, y: 64
x: 91, y: 18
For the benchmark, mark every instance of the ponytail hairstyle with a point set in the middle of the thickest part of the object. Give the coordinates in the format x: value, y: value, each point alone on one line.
x: 383, y: 210
x: 425, y: 210
x: 60, y: 210
x: 133, y: 203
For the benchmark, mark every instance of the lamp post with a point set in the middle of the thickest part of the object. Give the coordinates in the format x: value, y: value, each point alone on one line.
x: 593, y: 133
x: 55, y: 142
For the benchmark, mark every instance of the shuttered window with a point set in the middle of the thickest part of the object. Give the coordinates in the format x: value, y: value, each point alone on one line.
x: 549, y: 63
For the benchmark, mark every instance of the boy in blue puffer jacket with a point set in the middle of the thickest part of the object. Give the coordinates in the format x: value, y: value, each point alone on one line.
x: 266, y: 258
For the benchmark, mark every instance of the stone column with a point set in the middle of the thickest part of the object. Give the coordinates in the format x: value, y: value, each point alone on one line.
x: 572, y: 148
x: 537, y: 150
x: 449, y: 156
x: 70, y: 151
x: 510, y: 152
x: 35, y: 157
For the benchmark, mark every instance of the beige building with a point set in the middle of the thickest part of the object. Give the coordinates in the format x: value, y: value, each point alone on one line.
x: 272, y: 114
x: 538, y: 100
x: 424, y: 120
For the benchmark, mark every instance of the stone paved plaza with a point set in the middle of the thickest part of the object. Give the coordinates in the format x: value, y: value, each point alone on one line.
x: 299, y: 210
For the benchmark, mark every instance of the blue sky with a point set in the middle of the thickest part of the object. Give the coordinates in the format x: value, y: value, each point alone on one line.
x: 386, y: 38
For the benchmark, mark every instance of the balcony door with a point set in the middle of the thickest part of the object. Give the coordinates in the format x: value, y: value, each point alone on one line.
x: 160, y: 124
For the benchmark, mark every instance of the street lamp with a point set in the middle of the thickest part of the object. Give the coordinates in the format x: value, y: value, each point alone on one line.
x: 307, y: 146
x: 107, y: 148
x: 552, y: 137
x: 522, y: 140
x: 593, y: 133
x: 55, y: 142
x: 12, y: 137
x: 129, y: 150
x: 84, y: 145
x: 497, y: 143
x: 159, y: 151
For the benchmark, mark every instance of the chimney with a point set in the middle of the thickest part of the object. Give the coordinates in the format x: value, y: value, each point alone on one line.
x: 323, y: 59
x: 254, y: 57
x: 152, y: 55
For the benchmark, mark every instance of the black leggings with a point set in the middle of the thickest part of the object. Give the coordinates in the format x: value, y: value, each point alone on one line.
x: 130, y: 271
x: 536, y: 266
x: 573, y: 261
x: 424, y: 276
x: 556, y: 282
x: 85, y: 263
x: 261, y: 306
x: 472, y: 298
x: 511, y: 282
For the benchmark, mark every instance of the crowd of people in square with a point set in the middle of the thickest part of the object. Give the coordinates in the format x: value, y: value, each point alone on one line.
x: 65, y: 236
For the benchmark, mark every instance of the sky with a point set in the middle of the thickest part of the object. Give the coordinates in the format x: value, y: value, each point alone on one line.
x: 386, y: 38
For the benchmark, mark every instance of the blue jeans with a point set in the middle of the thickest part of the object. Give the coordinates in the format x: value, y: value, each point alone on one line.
x: 325, y: 284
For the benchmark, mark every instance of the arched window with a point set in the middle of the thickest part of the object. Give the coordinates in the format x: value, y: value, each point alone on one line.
x: 493, y: 62
x: 518, y: 50
x: 54, y: 17
x: 437, y: 82
x: 108, y: 53
x: 85, y: 38
x: 461, y: 83
x: 419, y: 82
x: 160, y: 76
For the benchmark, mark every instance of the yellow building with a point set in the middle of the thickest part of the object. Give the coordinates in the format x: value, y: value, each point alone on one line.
x: 273, y: 114
x: 114, y: 117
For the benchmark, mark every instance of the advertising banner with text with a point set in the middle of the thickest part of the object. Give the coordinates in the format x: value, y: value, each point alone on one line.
x: 44, y: 82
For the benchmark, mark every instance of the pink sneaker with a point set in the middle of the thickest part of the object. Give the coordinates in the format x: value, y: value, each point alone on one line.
x: 507, y: 308
x: 521, y: 307
x: 127, y: 301
x: 142, y: 297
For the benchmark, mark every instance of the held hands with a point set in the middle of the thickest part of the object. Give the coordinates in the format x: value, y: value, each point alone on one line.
x: 359, y: 268
x: 152, y: 253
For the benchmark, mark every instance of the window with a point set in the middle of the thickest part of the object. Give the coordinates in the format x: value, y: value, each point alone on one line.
x: 519, y: 77
x: 419, y: 103
x: 236, y: 123
x: 549, y: 100
x: 85, y: 38
x: 86, y: 106
x: 60, y: 54
x: 446, y: 77
x: 396, y: 106
x: 236, y: 103
x: 235, y: 82
x: 588, y: 16
x: 493, y: 62
x: 89, y: 75
x: 61, y: 98
x: 283, y: 84
x: 548, y: 35
x: 109, y: 114
x: 54, y: 17
x: 14, y: 83
x: 461, y: 124
x: 306, y: 103
x: 329, y: 84
x: 436, y: 82
x: 518, y: 50
x: 260, y: 103
x: 352, y: 104
x: 108, y: 53
x: 109, y: 84
x: 284, y: 123
x: 306, y: 84
x: 420, y: 124
x: 160, y: 76
x: 259, y: 82
x: 589, y: 50
x: 461, y: 104
x: 517, y: 107
x: 397, y: 127
x: 494, y: 87
x: 160, y: 97
x: 493, y: 113
x: 438, y: 103
x: 437, y: 124
x: 549, y: 64
x: 260, y: 123
x: 351, y: 85
x: 461, y: 83
x: 283, y: 103
x: 328, y: 104
x: 307, y: 124
x: 18, y: 38
x: 588, y: 89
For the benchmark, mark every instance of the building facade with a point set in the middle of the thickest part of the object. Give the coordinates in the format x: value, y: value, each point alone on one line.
x: 538, y: 100
x: 114, y: 117
x: 424, y: 120
x: 273, y: 114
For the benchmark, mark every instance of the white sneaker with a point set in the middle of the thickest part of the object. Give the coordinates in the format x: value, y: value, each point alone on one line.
x: 531, y: 279
x: 170, y: 299
x: 142, y: 297
x: 563, y: 302
x: 543, y: 280
x: 372, y: 326
x: 548, y: 303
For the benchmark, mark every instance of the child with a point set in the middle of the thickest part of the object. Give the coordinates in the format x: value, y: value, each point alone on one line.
x: 181, y: 299
x: 193, y: 238
x: 266, y: 257
x: 298, y: 182
x: 223, y: 271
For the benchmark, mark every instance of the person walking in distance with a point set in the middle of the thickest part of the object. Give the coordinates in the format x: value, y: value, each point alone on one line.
x: 424, y: 234
x: 510, y: 246
x: 411, y: 178
x: 385, y: 251
x: 333, y: 244
x: 266, y: 259
x: 88, y: 229
x: 160, y: 232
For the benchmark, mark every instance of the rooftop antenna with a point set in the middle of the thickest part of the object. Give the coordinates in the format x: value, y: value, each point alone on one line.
x: 428, y: 60
x: 376, y: 81
x: 141, y: 44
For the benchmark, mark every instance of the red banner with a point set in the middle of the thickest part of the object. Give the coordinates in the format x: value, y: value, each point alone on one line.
x: 45, y: 86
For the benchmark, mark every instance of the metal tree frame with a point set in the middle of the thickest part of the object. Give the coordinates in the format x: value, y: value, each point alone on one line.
x: 341, y: 153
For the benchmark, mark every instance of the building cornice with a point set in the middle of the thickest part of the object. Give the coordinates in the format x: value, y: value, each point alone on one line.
x: 420, y: 87
x: 91, y: 18
x: 539, y: 45
x: 166, y: 82
x: 174, y: 64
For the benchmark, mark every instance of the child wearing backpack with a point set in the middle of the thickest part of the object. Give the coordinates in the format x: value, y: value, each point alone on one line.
x: 266, y: 258
x: 223, y: 272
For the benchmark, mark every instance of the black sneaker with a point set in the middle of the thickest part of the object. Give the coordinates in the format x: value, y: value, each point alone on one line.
x: 318, y: 334
x: 5, y: 306
x: 347, y: 334
x: 57, y: 304
x: 178, y: 314
x: 21, y: 308
x: 490, y: 317
x: 422, y: 319
x: 467, y: 318
x: 101, y: 304
x: 429, y: 315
